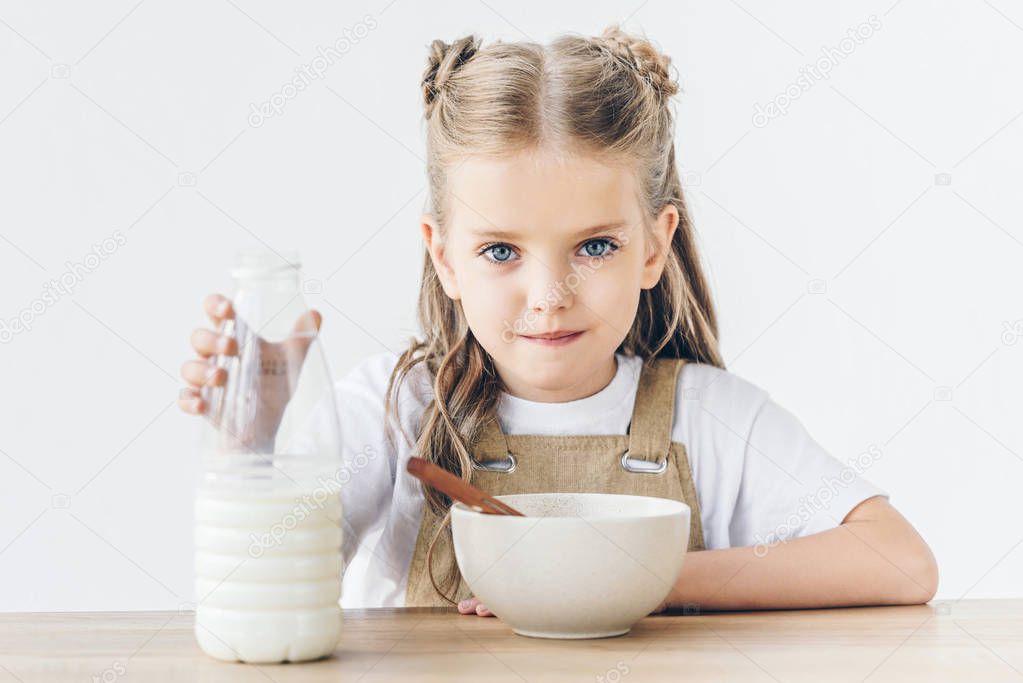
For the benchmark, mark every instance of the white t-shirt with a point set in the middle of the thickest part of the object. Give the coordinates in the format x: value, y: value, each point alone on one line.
x: 760, y: 477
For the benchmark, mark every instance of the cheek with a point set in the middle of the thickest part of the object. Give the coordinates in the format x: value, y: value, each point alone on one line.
x: 613, y: 284
x: 488, y: 299
x: 613, y: 296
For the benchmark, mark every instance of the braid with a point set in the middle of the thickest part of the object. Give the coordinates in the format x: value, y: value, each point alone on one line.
x: 444, y: 61
x: 640, y: 55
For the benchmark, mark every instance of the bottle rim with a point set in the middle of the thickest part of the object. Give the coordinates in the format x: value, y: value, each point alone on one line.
x: 252, y: 262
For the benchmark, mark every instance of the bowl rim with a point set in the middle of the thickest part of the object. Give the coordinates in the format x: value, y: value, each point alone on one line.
x: 684, y: 508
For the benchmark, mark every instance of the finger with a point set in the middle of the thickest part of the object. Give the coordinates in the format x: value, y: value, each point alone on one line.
x: 303, y: 334
x: 468, y: 606
x: 190, y: 402
x: 309, y: 321
x: 306, y: 327
x: 199, y: 373
x: 208, y: 343
x: 483, y: 611
x: 218, y: 307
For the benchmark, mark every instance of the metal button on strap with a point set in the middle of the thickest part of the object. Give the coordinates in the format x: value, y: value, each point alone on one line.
x: 642, y: 466
x: 507, y: 465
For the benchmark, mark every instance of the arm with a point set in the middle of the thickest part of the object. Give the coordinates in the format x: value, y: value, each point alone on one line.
x: 875, y: 557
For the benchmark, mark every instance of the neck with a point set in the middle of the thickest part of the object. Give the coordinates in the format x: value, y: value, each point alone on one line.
x: 591, y: 384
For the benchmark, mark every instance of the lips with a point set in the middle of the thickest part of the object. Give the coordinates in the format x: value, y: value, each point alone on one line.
x: 557, y: 338
x: 557, y: 334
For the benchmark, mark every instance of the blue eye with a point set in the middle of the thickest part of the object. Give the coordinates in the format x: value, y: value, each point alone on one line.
x: 498, y: 253
x: 599, y: 247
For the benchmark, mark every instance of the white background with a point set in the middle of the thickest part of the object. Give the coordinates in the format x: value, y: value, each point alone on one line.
x: 109, y: 111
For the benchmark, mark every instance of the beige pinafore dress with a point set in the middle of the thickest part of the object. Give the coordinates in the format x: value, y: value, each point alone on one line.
x: 644, y: 462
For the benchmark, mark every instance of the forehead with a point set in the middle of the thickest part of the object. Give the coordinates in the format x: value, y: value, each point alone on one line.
x: 540, y: 191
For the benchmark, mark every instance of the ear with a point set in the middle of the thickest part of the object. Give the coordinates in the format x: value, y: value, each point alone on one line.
x: 664, y: 231
x: 435, y: 247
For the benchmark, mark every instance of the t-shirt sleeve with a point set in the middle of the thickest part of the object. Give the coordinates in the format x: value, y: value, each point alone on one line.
x: 791, y: 486
x: 366, y: 471
x: 370, y: 450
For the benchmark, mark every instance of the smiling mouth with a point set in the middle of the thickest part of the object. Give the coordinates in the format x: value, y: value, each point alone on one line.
x: 557, y: 334
x: 557, y: 338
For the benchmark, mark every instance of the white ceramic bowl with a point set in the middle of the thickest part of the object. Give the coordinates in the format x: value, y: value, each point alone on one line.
x: 578, y: 565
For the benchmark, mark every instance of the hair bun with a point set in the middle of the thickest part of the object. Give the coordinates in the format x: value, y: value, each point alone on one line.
x: 444, y: 60
x: 639, y: 53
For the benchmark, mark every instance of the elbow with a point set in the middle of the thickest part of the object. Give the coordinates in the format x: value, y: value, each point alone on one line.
x: 911, y: 575
x: 928, y: 576
x: 921, y: 576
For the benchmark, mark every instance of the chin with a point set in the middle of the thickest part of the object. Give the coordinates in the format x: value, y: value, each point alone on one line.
x: 549, y: 379
x: 551, y: 371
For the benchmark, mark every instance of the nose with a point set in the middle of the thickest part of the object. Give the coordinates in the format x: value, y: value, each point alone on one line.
x: 549, y: 288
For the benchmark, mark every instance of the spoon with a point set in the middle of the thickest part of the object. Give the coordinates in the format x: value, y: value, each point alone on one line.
x: 445, y: 482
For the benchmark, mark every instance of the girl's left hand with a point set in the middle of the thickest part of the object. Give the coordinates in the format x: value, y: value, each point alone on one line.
x: 473, y: 606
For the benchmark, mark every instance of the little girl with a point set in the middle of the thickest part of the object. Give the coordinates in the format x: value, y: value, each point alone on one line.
x: 570, y: 344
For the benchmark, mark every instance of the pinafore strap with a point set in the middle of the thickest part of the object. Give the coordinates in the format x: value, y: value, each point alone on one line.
x: 649, y: 427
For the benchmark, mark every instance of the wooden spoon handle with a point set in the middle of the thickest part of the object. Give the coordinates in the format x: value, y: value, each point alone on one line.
x: 442, y: 480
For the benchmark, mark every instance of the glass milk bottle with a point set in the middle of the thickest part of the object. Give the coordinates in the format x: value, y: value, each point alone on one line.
x: 268, y: 509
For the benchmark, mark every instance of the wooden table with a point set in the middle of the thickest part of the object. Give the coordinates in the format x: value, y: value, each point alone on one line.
x: 974, y: 640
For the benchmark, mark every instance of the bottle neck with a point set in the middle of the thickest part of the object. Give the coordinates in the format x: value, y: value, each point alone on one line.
x: 269, y: 302
x: 272, y: 281
x: 255, y: 266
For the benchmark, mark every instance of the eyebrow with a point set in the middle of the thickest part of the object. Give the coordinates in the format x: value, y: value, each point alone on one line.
x: 511, y: 234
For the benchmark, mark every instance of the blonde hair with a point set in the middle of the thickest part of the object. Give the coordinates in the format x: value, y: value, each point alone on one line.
x: 607, y: 96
